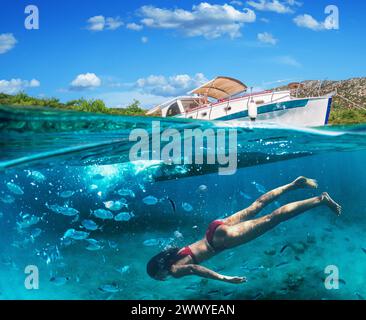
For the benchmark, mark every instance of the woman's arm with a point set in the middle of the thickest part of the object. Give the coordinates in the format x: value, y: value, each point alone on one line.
x: 194, y: 269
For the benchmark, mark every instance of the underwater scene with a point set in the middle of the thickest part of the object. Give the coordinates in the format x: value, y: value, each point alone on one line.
x: 74, y: 206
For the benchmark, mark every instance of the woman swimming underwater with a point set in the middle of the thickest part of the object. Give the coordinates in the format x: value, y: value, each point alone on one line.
x: 233, y: 231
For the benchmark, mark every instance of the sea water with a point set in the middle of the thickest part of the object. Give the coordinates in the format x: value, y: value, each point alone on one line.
x: 73, y: 206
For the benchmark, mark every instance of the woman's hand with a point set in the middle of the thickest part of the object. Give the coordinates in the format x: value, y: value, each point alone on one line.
x: 235, y: 280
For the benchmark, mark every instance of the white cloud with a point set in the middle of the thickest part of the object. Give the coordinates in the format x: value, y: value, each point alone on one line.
x: 266, y: 37
x: 7, y: 42
x: 123, y: 99
x: 272, y: 5
x: 15, y: 85
x: 134, y: 26
x: 144, y: 39
x: 208, y: 20
x: 100, y: 23
x: 236, y: 3
x: 86, y: 81
x: 288, y: 61
x: 170, y: 86
x: 307, y: 21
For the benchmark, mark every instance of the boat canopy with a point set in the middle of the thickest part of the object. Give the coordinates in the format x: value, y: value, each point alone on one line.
x: 220, y: 88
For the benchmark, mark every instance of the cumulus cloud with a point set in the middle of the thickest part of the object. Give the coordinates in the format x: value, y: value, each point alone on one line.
x: 100, y: 23
x: 288, y: 61
x: 273, y: 5
x: 120, y: 99
x: 207, y: 20
x: 307, y: 21
x: 15, y: 85
x: 85, y: 81
x: 7, y: 42
x: 267, y: 38
x: 134, y: 26
x: 236, y: 3
x: 170, y: 86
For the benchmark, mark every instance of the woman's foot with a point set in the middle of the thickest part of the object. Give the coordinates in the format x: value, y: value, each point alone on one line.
x: 334, y: 206
x: 303, y: 182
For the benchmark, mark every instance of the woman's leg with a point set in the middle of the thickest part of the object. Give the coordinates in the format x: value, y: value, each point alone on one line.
x: 246, y: 231
x: 267, y: 198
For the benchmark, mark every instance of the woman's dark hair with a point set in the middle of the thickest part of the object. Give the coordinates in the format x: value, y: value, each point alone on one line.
x: 161, y: 263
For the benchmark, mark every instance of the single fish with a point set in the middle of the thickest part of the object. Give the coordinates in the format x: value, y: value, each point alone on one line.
x: 36, y: 176
x: 123, y: 216
x: 59, y: 281
x: 126, y: 193
x: 98, y: 177
x: 28, y: 221
x: 66, y: 211
x: 123, y: 269
x: 150, y: 200
x: 260, y: 188
x: 75, y: 235
x: 202, y: 188
x: 187, y: 207
x: 14, y: 188
x: 112, y: 244
x: 110, y: 288
x: 35, y: 233
x: 359, y: 296
x: 7, y: 199
x: 92, y: 187
x: 115, y: 205
x: 245, y: 196
x: 66, y: 194
x: 284, y: 248
x: 282, y: 264
x: 178, y: 235
x: 103, y: 214
x: 94, y: 245
x: 89, y: 225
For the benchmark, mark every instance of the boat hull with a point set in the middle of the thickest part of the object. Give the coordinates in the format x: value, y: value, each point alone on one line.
x: 303, y: 112
x: 285, y: 110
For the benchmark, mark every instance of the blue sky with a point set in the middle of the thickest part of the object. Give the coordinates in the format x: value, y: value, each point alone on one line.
x: 151, y: 50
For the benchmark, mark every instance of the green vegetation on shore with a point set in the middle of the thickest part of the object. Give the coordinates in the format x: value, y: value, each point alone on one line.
x: 96, y: 106
x: 344, y: 115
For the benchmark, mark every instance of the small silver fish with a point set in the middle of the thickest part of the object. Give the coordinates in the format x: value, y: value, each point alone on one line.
x: 94, y: 245
x: 7, y: 199
x: 89, y: 225
x: 66, y: 211
x: 187, y: 207
x: 59, y: 281
x: 123, y: 216
x: 110, y: 288
x: 126, y: 193
x: 36, y: 176
x: 260, y: 188
x: 14, y: 188
x: 66, y: 194
x: 115, y: 205
x: 150, y: 200
x: 75, y: 235
x: 123, y: 269
x: 103, y: 214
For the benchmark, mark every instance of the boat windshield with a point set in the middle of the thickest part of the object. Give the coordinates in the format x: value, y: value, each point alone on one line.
x: 190, y: 104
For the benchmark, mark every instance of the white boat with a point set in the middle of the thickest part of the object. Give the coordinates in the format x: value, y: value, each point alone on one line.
x: 225, y: 99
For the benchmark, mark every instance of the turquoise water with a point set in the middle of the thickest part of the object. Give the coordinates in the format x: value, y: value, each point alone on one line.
x: 51, y: 160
